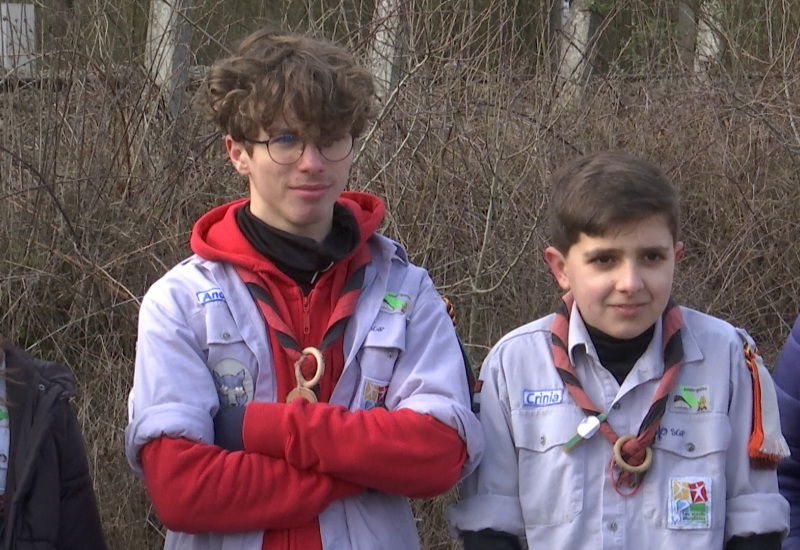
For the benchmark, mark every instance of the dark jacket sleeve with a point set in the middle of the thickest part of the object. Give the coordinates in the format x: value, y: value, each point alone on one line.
x: 489, y: 539
x: 764, y: 541
x: 787, y: 387
x: 79, y: 517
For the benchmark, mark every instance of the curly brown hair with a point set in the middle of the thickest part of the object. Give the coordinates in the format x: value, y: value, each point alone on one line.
x: 603, y: 191
x: 313, y: 83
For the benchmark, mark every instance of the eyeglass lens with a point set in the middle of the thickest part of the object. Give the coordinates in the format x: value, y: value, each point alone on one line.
x: 287, y: 149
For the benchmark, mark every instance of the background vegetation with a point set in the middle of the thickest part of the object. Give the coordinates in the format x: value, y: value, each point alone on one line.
x: 100, y: 186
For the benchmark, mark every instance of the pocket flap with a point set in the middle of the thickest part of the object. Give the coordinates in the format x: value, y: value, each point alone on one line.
x: 388, y: 331
x: 693, y: 435
x: 542, y: 428
x: 220, y: 326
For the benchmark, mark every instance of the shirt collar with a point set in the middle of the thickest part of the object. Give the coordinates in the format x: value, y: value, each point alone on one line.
x: 650, y: 365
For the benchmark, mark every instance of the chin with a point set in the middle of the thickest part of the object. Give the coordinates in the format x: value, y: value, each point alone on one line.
x: 626, y: 333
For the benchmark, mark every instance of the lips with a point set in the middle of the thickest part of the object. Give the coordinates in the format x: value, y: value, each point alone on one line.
x: 312, y: 191
x: 311, y: 187
x: 629, y: 309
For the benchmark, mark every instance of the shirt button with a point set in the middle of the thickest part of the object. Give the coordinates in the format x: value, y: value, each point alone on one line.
x: 613, y: 526
x: 543, y: 440
x: 3, y: 459
x: 616, y: 406
x: 690, y: 447
x: 225, y: 334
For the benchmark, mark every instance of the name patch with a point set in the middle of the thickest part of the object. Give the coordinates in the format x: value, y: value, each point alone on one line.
x: 542, y: 398
x: 210, y: 295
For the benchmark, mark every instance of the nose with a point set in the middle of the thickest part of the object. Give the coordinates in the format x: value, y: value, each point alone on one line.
x: 629, y: 278
x: 311, y: 160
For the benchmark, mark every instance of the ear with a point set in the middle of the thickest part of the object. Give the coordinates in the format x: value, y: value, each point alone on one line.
x: 240, y: 158
x: 557, y: 262
x: 678, y: 251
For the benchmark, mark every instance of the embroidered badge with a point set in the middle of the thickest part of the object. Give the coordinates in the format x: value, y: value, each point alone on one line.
x: 395, y: 303
x: 690, y: 399
x: 542, y: 398
x: 234, y: 383
x: 690, y: 503
x: 374, y: 394
x: 210, y: 295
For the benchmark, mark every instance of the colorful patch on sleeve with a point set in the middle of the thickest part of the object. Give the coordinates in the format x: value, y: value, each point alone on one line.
x: 690, y: 503
x: 374, y: 394
x: 690, y: 399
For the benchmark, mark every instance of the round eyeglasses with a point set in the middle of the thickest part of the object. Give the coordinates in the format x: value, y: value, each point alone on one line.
x: 288, y: 148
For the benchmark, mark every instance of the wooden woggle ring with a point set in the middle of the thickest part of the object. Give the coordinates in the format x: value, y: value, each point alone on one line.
x: 641, y: 468
x: 300, y: 391
x: 302, y: 382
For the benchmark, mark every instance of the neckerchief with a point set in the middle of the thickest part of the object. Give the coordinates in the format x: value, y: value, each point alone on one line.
x: 344, y: 281
x: 634, y: 450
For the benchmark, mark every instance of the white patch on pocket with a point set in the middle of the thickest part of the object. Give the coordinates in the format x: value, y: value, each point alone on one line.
x: 690, y: 503
x: 372, y: 393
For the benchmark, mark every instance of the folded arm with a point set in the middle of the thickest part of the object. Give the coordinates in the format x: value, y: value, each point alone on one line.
x: 400, y: 452
x: 202, y: 488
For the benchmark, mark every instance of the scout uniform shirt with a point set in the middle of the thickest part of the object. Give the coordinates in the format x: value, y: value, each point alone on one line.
x: 700, y: 489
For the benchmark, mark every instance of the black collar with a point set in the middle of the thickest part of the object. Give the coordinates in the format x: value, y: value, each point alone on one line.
x: 619, y: 355
x: 301, y: 258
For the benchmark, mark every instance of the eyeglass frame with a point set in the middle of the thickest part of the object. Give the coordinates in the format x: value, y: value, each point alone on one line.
x: 266, y: 142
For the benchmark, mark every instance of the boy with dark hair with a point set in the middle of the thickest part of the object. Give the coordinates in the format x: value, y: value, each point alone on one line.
x: 297, y: 379
x: 623, y: 421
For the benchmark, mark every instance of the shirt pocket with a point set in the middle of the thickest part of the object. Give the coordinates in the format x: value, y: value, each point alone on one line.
x: 550, y: 480
x: 229, y: 359
x: 689, y: 453
x: 383, y: 346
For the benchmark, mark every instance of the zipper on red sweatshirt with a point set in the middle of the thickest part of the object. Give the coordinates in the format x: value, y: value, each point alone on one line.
x: 306, y: 316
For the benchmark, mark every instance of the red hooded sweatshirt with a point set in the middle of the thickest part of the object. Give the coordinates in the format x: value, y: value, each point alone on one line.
x: 298, y: 457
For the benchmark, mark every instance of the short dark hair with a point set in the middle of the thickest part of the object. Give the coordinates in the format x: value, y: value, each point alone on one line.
x: 602, y: 191
x: 311, y: 82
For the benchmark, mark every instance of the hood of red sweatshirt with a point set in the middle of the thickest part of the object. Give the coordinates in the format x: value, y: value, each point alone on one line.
x: 216, y: 236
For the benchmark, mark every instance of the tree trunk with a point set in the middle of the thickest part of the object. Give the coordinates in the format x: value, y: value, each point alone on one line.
x: 167, y: 49
x: 709, y: 45
x: 576, y: 48
x: 687, y: 32
x: 386, y: 56
x: 555, y: 25
x: 17, y: 39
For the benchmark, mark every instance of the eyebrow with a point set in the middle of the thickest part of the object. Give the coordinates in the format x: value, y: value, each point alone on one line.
x: 613, y: 251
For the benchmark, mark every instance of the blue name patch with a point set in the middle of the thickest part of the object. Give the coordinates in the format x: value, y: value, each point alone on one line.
x: 210, y: 295
x: 542, y: 398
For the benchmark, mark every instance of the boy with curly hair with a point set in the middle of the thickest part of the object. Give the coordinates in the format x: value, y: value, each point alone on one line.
x: 297, y: 379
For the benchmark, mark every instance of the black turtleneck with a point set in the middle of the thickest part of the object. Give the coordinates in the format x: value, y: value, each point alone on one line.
x: 301, y: 258
x: 618, y: 355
